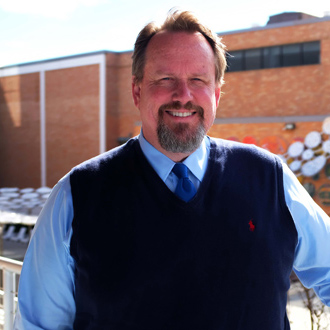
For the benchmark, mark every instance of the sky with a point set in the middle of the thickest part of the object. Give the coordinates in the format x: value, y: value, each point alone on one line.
x: 33, y: 30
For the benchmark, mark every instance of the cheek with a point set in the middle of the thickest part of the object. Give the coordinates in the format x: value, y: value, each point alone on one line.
x: 150, y: 113
x: 155, y: 101
x: 209, y: 103
x: 156, y: 96
x: 209, y: 117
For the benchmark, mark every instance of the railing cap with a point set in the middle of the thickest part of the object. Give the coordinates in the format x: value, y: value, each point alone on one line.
x: 11, y: 265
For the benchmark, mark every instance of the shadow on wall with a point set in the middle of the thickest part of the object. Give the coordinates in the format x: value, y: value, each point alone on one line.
x: 20, y: 131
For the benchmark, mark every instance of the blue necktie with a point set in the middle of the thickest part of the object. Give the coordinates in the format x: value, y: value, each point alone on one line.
x: 185, y: 189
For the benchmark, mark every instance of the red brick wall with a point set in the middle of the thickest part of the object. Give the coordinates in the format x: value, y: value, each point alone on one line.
x: 121, y: 112
x: 20, y: 131
x: 112, y: 103
x: 72, y: 118
x: 301, y: 90
x: 272, y: 36
x: 129, y: 114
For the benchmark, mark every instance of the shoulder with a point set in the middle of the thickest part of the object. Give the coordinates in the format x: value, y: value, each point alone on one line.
x: 244, y: 154
x: 108, y: 160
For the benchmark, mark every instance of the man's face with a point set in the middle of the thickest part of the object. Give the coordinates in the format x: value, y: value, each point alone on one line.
x: 178, y: 95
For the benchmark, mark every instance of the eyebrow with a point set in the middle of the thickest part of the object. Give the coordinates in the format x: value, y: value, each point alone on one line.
x: 166, y: 73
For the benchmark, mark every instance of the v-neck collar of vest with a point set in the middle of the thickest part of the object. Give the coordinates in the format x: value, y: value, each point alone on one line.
x: 160, y: 187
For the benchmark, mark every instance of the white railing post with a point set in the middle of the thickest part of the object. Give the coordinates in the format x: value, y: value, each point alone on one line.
x: 9, y: 268
x: 9, y: 298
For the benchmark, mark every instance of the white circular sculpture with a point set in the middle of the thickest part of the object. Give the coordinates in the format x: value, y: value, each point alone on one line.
x: 326, y: 146
x: 310, y: 157
x: 295, y: 165
x: 296, y: 149
x: 313, y: 139
x: 313, y: 166
x: 308, y: 154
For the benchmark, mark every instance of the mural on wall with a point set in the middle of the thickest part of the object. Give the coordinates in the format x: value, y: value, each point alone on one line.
x: 307, y: 157
x: 309, y: 160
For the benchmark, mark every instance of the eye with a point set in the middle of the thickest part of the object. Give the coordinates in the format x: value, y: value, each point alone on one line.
x: 165, y: 81
x: 197, y: 80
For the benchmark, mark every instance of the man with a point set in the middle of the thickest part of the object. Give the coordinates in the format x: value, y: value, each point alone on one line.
x: 132, y: 239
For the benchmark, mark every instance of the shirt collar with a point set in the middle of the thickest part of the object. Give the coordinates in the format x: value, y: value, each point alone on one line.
x: 196, y: 162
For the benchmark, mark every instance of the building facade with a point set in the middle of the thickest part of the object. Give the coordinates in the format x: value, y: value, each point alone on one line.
x: 57, y: 113
x: 277, y: 89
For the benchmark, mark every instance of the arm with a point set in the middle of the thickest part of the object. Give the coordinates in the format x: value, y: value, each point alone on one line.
x: 46, y: 288
x: 312, y: 256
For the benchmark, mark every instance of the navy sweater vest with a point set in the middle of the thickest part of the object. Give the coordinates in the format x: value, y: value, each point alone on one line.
x: 145, y: 260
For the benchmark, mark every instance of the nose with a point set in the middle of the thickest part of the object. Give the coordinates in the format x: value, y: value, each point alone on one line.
x: 182, y: 92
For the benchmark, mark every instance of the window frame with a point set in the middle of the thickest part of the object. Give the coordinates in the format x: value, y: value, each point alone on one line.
x: 309, y: 53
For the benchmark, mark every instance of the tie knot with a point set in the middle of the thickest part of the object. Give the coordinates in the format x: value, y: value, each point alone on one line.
x: 180, y: 170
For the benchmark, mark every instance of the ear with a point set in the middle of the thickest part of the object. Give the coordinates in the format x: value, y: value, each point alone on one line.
x: 217, y: 94
x: 136, y: 92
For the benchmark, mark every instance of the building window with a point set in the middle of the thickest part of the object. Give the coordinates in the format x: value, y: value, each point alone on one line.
x: 311, y: 52
x: 253, y: 59
x: 274, y: 57
x: 291, y: 55
x: 236, y: 61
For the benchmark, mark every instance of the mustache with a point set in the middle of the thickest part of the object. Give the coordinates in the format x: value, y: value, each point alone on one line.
x: 177, y: 105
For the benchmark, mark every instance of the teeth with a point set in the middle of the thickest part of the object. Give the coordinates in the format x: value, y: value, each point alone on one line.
x: 181, y: 114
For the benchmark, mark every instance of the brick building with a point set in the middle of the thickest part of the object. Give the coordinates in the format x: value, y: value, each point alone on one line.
x: 279, y: 78
x: 56, y: 113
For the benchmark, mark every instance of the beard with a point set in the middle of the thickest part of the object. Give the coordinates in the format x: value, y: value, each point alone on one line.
x: 182, y: 138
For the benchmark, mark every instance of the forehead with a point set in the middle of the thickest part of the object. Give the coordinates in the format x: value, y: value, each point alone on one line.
x: 179, y: 48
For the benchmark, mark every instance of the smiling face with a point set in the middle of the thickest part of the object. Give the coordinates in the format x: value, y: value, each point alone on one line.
x: 178, y: 94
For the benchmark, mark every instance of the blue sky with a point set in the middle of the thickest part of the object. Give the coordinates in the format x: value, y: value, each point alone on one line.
x: 36, y: 30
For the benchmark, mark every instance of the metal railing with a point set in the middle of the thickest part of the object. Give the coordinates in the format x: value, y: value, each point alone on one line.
x: 10, y: 268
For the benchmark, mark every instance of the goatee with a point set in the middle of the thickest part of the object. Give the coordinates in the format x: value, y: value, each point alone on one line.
x: 182, y: 138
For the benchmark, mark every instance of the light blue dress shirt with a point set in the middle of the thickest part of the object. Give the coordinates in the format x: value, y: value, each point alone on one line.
x: 46, y: 290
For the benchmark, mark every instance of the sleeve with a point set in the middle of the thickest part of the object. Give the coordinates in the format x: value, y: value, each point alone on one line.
x: 46, y: 287
x: 312, y: 255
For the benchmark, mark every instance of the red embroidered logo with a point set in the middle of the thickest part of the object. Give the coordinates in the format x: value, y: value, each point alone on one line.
x: 252, y: 226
